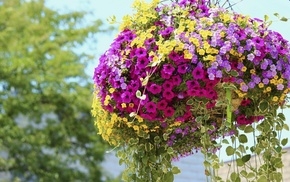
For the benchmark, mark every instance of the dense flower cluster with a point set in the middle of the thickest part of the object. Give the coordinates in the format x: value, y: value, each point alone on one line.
x: 166, y: 72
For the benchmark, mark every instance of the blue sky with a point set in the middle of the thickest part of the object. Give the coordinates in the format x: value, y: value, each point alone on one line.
x: 103, y: 9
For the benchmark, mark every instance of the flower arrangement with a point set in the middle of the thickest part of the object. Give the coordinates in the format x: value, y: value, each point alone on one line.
x: 179, y: 76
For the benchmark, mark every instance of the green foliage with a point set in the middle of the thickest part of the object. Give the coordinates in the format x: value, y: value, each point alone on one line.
x: 46, y: 131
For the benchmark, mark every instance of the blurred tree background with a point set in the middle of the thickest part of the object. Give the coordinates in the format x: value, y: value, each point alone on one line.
x: 46, y: 130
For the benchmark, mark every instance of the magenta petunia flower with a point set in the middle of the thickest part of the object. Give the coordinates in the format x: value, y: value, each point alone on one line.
x: 167, y: 85
x: 182, y: 68
x: 168, y: 94
x: 154, y: 88
x: 140, y: 52
x: 165, y: 75
x: 162, y: 104
x: 198, y: 73
x: 151, y: 107
x: 176, y: 80
x: 192, y: 84
x: 174, y: 56
x: 245, y: 102
x: 168, y: 112
x: 168, y: 69
x: 142, y: 62
x: 126, y: 97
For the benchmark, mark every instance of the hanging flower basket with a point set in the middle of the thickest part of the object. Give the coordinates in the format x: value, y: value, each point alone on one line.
x: 179, y: 76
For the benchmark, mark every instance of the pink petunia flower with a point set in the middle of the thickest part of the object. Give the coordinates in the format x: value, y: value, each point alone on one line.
x: 168, y: 112
x: 162, y: 104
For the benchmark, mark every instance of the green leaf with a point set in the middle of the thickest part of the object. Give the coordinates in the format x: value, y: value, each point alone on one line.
x: 175, y: 170
x: 263, y: 106
x: 225, y: 141
x: 266, y: 18
x: 246, y: 158
x: 112, y: 19
x: 249, y: 129
x: 229, y: 86
x: 240, y: 162
x: 169, y: 176
x: 262, y: 179
x: 170, y: 150
x: 284, y: 141
x: 243, y: 138
x: 250, y: 175
x: 277, y: 15
x: 199, y: 119
x: 148, y: 147
x: 282, y: 116
x: 286, y: 127
x: 138, y: 94
x: 284, y: 19
x: 234, y: 73
x: 189, y: 102
x: 230, y: 150
x: 157, y: 139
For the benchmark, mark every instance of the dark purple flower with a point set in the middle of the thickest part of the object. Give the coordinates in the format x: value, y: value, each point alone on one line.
x: 178, y: 130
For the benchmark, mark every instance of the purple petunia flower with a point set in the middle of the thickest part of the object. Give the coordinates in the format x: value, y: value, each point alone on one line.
x: 182, y: 68
x: 167, y: 85
x: 198, y: 73
x: 140, y: 52
x: 178, y: 130
x: 142, y: 62
x: 168, y: 112
x: 154, y: 88
x: 168, y: 94
x: 168, y: 69
x: 151, y: 107
x: 244, y: 88
x: 176, y: 80
x: 280, y: 86
x: 162, y: 104
x: 126, y: 97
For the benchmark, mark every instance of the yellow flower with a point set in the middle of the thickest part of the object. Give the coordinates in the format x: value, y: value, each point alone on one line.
x: 123, y: 105
x: 139, y: 118
x: 131, y: 105
x: 136, y: 128
x: 244, y: 69
x: 261, y: 85
x: 201, y: 52
x: 280, y: 81
x: 275, y: 99
x: 268, y: 89
x: 187, y: 54
x: 111, y: 90
x: 107, y: 99
x: 253, y: 72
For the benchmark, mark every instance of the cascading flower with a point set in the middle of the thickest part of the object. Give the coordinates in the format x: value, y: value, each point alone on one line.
x: 171, y: 65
